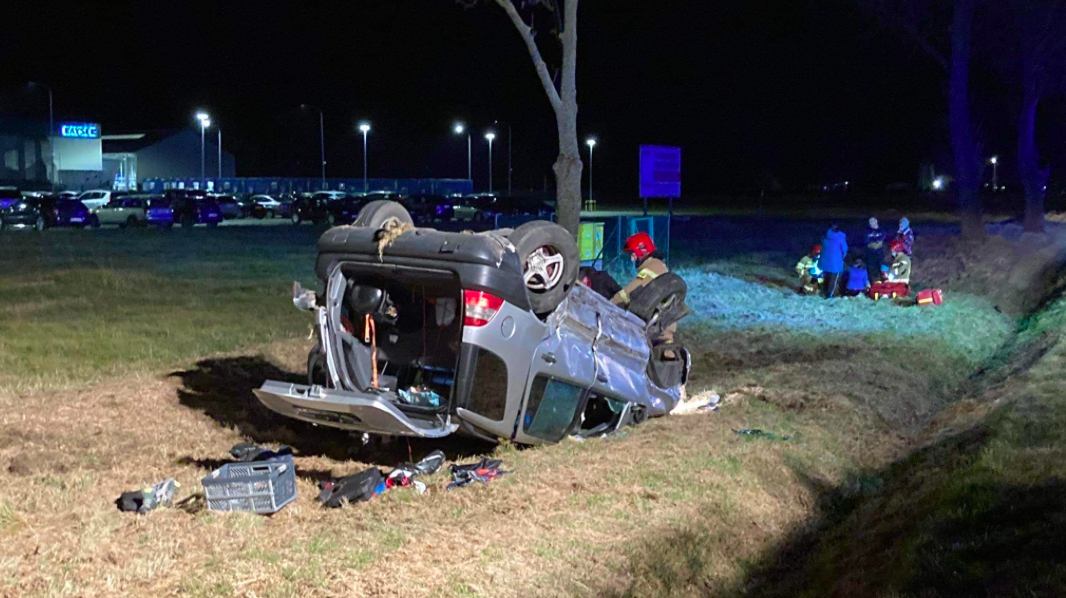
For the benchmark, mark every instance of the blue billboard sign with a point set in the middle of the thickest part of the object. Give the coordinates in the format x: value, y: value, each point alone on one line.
x: 79, y: 130
x: 660, y: 171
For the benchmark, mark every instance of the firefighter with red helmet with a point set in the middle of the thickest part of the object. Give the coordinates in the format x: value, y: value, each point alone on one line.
x: 641, y: 250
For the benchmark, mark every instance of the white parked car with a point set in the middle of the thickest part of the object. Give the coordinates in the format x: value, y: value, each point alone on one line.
x: 94, y: 199
x: 272, y: 206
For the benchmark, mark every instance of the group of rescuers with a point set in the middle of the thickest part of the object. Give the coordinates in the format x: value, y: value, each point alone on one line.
x: 823, y: 271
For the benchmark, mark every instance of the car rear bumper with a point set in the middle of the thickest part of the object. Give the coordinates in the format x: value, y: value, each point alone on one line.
x: 359, y: 411
x: 19, y: 220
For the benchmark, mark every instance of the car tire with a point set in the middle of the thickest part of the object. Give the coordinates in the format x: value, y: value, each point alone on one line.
x: 94, y: 221
x: 296, y: 220
x: 379, y: 213
x: 131, y: 222
x: 667, y: 289
x: 212, y: 225
x: 479, y: 217
x: 187, y: 221
x: 270, y: 214
x: 40, y: 224
x: 549, y: 258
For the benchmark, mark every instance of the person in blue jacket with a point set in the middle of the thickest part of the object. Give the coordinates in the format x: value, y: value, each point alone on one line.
x: 858, y: 279
x: 834, y: 248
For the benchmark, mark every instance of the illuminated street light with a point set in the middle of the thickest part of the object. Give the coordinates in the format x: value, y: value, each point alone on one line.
x: 364, y: 128
x: 994, y: 160
x: 459, y: 130
x: 592, y: 144
x: 205, y: 121
x: 490, y: 136
x: 938, y: 183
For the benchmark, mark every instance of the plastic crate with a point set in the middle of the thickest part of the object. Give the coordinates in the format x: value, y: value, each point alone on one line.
x: 256, y: 486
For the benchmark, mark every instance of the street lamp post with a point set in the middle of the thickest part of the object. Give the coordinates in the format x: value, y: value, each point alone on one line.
x: 365, y: 128
x: 51, y: 133
x: 220, y: 157
x: 459, y: 128
x: 321, y: 138
x: 490, y: 136
x: 995, y: 178
x: 592, y: 144
x: 509, y: 169
x: 205, y: 121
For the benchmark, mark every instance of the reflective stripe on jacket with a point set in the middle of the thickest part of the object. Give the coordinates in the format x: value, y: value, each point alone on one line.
x: 650, y: 269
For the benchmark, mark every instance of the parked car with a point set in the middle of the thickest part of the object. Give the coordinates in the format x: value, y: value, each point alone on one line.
x: 95, y: 199
x: 160, y: 213
x: 438, y: 332
x: 271, y: 207
x: 489, y: 206
x: 229, y: 206
x: 128, y: 211
x: 8, y: 196
x: 427, y: 208
x: 192, y: 206
x: 68, y: 195
x: 313, y: 208
x: 461, y: 208
x: 40, y: 213
x: 343, y: 210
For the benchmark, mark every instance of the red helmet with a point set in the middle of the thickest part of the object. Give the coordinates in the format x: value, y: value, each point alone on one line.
x: 640, y: 245
x: 816, y: 249
x: 896, y: 246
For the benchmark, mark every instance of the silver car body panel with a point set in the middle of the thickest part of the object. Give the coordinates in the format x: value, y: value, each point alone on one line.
x: 587, y: 342
x: 361, y: 412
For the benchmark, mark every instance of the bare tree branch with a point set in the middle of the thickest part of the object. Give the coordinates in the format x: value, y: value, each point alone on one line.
x: 896, y: 15
x: 538, y: 62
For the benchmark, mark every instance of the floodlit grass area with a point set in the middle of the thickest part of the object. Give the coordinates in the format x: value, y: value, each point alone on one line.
x: 79, y: 306
x: 924, y: 452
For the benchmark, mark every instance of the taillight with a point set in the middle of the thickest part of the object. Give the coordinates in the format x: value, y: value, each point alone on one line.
x: 480, y: 307
x: 55, y: 212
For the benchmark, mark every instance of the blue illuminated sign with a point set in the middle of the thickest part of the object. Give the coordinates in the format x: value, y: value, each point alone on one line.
x: 660, y: 171
x: 79, y: 130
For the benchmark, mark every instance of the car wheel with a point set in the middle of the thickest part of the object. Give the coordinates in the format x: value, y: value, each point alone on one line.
x: 549, y: 258
x: 94, y: 221
x: 295, y: 219
x: 479, y: 217
x: 131, y: 222
x: 40, y: 224
x: 381, y: 213
x: 212, y: 224
x: 331, y: 220
x: 187, y: 221
x: 1, y: 224
x: 270, y: 214
x: 659, y: 295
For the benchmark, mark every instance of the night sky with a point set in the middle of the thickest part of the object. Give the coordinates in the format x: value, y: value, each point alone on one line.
x: 808, y: 91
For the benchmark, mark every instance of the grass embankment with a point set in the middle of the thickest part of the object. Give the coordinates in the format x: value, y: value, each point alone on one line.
x: 79, y: 306
x: 978, y: 510
x: 681, y: 506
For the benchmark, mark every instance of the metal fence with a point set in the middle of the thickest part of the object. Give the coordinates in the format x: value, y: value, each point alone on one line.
x: 269, y: 185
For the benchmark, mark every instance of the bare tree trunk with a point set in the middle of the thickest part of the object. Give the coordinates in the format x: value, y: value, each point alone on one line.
x: 568, y: 165
x: 1033, y: 177
x: 963, y: 141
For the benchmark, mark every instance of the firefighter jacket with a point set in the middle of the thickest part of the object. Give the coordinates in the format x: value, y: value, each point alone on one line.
x: 900, y: 271
x: 648, y: 271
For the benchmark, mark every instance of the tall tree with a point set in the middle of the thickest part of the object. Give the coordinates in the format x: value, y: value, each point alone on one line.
x: 913, y: 17
x: 563, y: 98
x: 1041, y: 45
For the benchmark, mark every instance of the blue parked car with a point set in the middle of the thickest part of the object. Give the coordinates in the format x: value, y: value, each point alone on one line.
x: 159, y: 213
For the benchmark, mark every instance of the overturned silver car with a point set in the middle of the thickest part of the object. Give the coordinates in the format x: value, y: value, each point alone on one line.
x: 428, y: 333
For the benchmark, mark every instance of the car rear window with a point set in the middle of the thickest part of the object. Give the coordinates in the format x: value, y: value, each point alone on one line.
x: 10, y: 194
